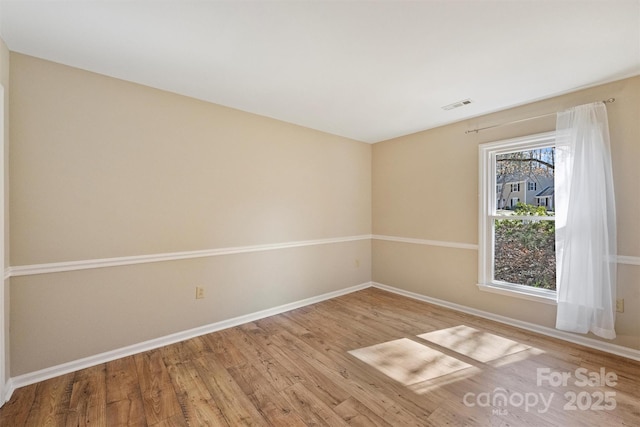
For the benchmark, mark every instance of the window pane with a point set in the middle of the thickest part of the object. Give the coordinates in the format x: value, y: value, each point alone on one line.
x: 525, y: 177
x: 524, y: 252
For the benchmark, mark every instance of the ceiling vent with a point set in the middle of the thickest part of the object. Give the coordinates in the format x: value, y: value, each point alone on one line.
x: 457, y: 104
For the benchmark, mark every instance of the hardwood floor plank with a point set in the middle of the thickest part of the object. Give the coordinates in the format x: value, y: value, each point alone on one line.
x: 197, y: 404
x: 51, y: 405
x: 175, y: 421
x: 124, y: 397
x: 275, y: 409
x: 230, y: 398
x: 328, y: 391
x: 88, y: 403
x: 224, y: 348
x: 126, y: 412
x: 354, y: 413
x: 121, y: 379
x: 312, y: 410
x: 158, y: 395
x: 176, y: 353
x: 198, y: 346
x: 16, y: 410
x: 279, y: 377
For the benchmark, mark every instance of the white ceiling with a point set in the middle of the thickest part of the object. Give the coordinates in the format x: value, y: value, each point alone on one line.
x: 367, y: 70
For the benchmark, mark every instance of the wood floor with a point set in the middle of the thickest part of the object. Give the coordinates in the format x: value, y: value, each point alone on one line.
x: 370, y: 358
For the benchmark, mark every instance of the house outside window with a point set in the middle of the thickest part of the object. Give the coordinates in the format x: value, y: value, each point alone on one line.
x: 517, y: 241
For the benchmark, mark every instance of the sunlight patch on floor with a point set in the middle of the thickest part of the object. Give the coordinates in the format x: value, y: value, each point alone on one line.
x: 473, y: 343
x: 409, y: 362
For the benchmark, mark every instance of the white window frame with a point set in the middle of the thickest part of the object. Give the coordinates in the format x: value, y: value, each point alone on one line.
x: 487, y: 188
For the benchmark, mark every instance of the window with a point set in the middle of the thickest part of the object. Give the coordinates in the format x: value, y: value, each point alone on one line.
x: 517, y: 243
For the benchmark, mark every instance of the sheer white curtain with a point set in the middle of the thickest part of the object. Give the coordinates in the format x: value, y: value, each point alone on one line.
x: 585, y: 222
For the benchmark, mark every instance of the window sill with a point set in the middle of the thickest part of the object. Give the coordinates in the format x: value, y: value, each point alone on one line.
x: 538, y: 295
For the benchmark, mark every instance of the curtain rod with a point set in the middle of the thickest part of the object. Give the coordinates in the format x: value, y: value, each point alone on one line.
x: 606, y: 101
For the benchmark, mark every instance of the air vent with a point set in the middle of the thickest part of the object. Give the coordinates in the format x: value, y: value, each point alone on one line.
x: 457, y: 104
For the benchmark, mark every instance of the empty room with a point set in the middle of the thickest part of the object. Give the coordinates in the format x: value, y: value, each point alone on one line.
x: 300, y: 213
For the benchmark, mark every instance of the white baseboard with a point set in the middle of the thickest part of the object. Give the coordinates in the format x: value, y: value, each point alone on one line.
x: 87, y: 362
x: 54, y: 371
x: 7, y: 391
x: 555, y: 333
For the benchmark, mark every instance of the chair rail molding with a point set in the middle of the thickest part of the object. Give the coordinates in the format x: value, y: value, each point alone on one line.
x: 57, y: 267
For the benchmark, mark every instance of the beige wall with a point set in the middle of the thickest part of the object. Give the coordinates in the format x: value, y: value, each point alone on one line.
x: 4, y: 81
x: 425, y: 186
x: 104, y: 168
